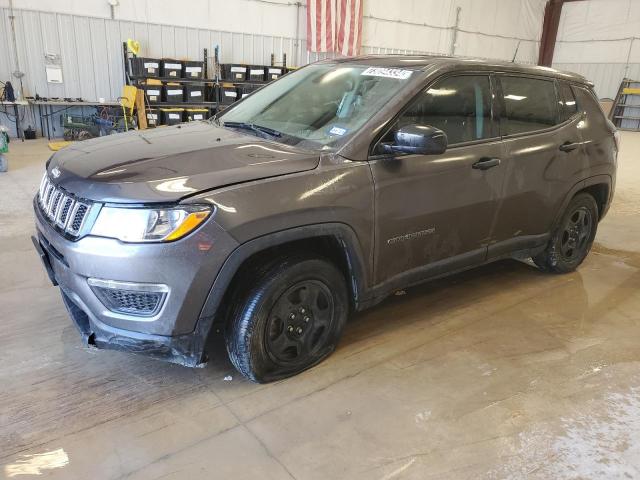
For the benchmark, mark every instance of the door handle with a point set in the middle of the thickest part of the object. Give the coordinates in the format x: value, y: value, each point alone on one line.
x: 486, y: 163
x: 568, y: 146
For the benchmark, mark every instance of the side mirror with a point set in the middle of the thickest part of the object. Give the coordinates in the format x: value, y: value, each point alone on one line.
x: 418, y: 139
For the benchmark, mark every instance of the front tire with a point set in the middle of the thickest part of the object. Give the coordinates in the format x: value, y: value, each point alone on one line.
x: 289, y: 321
x: 573, y: 237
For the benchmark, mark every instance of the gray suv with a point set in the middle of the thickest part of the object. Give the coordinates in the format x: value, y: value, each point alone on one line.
x: 317, y: 196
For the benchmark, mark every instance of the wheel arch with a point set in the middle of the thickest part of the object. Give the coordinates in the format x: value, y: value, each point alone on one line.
x: 337, y: 241
x: 600, y: 192
x: 598, y: 186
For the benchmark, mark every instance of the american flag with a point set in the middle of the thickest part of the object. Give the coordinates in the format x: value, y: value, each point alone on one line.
x: 334, y: 26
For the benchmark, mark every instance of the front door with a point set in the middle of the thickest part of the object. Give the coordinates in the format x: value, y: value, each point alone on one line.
x: 434, y: 213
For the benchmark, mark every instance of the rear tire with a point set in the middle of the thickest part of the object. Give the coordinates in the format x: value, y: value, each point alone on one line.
x: 289, y: 320
x: 572, y: 238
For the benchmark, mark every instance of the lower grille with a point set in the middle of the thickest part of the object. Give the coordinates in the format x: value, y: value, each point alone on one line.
x: 124, y: 301
x: 61, y: 209
x: 140, y: 299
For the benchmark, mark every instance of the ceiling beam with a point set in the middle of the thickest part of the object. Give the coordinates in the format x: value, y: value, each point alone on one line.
x: 550, y: 24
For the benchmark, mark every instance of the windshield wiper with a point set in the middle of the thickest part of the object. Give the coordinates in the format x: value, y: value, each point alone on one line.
x: 253, y: 127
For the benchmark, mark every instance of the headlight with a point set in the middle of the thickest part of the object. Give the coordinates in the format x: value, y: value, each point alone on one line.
x: 148, y: 224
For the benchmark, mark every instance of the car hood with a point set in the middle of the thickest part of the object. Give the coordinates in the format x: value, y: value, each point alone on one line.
x: 169, y: 163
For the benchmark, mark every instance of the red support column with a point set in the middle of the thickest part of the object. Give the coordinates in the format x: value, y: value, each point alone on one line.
x: 552, y: 13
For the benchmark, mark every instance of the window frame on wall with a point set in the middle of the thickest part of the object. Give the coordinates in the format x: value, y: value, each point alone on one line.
x: 503, y: 109
x: 494, y: 117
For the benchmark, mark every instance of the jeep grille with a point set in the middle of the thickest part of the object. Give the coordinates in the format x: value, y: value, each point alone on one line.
x: 62, y: 209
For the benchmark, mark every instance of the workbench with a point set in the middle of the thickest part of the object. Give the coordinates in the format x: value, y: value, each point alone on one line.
x: 64, y: 105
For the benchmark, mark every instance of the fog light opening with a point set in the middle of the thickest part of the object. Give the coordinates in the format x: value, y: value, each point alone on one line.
x: 129, y: 298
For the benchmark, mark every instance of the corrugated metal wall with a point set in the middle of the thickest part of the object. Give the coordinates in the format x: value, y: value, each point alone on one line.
x: 600, y: 39
x: 91, y: 51
x: 606, y: 77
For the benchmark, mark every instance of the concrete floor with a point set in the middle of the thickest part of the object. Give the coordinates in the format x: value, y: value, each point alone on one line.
x: 501, y: 372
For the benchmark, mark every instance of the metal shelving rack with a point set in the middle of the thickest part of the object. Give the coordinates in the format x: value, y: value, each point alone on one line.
x: 214, y: 106
x: 625, y: 113
x: 135, y: 80
x: 218, y: 81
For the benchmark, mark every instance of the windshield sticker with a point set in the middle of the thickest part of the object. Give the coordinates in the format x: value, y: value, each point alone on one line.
x: 387, y: 72
x: 337, y: 131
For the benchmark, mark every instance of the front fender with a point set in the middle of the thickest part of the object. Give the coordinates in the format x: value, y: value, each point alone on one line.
x: 356, y: 260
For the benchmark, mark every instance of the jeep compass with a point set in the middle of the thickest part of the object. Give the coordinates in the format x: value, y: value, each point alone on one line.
x: 316, y: 196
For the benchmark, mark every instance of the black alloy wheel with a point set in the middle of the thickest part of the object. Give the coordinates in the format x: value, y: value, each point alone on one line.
x: 287, y: 315
x: 300, y: 322
x: 575, y: 233
x: 572, y: 238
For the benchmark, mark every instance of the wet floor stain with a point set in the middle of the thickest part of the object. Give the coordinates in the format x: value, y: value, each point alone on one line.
x: 600, y: 442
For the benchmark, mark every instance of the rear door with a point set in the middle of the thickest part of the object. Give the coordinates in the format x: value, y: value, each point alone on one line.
x: 540, y: 126
x: 434, y: 213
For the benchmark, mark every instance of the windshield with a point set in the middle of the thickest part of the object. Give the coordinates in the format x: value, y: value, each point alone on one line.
x: 321, y: 104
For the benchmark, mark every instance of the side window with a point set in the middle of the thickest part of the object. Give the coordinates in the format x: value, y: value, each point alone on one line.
x: 459, y: 106
x: 530, y: 104
x: 567, y: 102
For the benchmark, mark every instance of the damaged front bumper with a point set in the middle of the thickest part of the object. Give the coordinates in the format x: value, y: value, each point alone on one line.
x: 176, y: 331
x: 187, y: 350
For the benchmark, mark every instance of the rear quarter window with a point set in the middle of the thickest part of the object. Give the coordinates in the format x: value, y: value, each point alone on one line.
x: 567, y: 102
x: 589, y: 105
x: 530, y: 104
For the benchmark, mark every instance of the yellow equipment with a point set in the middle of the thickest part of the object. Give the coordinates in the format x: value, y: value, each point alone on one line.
x: 55, y: 146
x: 128, y: 101
x: 128, y: 98
x: 133, y: 46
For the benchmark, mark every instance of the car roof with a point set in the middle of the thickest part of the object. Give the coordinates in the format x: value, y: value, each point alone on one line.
x: 423, y: 62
